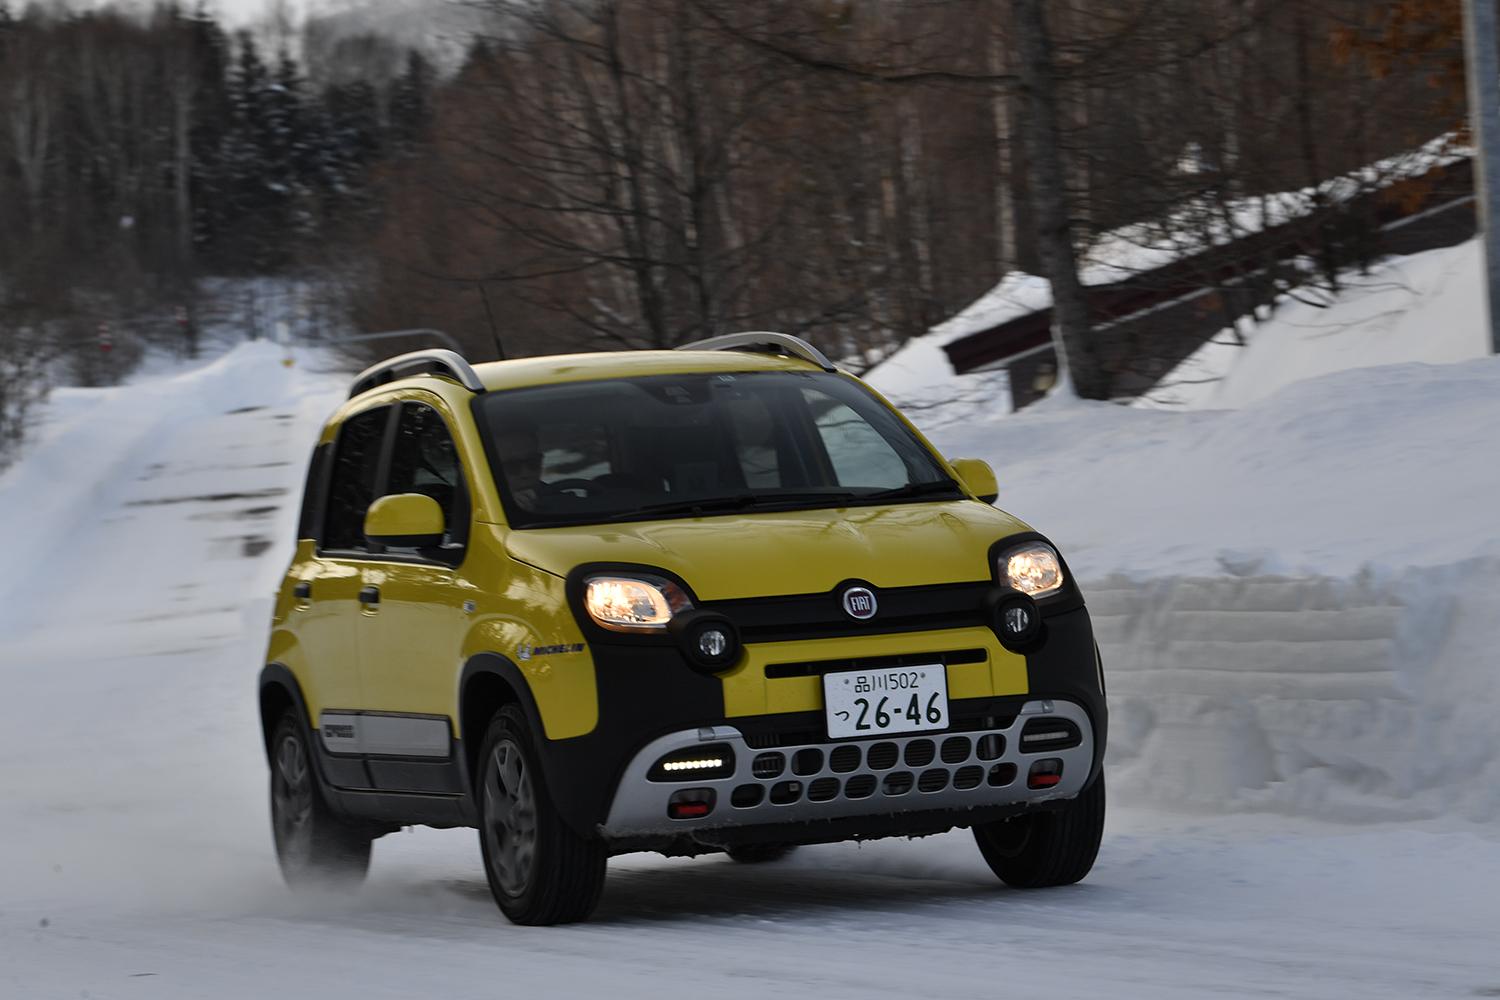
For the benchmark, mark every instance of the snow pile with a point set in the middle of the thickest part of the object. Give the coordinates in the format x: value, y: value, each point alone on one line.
x: 1426, y: 307
x: 1347, y: 699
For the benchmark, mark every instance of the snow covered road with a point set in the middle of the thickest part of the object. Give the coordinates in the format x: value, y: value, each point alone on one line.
x: 1172, y: 911
x: 135, y: 855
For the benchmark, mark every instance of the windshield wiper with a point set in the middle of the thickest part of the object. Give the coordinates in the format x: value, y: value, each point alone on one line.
x: 916, y: 490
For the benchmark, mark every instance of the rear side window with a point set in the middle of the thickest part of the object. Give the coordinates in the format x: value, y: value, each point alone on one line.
x: 425, y: 461
x: 312, y: 493
x: 351, y: 488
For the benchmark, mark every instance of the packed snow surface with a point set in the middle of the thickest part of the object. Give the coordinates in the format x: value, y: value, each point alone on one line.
x: 148, y: 524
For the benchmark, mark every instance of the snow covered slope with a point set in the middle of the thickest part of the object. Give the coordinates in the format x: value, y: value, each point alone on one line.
x: 1426, y: 307
x: 147, y: 523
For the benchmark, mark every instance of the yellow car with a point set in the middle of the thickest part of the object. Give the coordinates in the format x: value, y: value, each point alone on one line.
x: 724, y: 598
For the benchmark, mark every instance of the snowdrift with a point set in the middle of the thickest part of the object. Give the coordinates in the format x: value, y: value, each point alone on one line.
x: 1345, y: 699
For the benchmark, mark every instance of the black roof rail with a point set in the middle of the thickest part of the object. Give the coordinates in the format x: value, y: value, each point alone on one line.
x: 430, y: 362
x: 765, y: 342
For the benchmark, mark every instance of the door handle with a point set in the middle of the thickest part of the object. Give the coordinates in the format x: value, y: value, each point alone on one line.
x: 370, y: 595
x: 303, y: 590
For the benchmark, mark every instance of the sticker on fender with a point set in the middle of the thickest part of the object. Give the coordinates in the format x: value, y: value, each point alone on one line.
x: 894, y: 700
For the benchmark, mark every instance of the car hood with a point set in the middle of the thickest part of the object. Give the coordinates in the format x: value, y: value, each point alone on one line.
x: 787, y: 552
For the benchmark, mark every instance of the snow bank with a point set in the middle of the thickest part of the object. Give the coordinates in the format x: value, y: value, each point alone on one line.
x: 1344, y: 699
x: 1426, y: 307
x: 90, y: 476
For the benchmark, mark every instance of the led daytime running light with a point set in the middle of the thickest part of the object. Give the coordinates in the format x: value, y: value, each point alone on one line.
x: 693, y: 765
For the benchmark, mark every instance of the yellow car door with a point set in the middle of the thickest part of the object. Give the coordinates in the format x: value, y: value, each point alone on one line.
x: 328, y: 576
x: 411, y: 634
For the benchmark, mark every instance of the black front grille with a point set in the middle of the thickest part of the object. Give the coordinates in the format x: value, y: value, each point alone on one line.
x: 784, y: 793
x: 746, y: 796
x: 817, y: 616
x: 882, y: 756
x: 861, y: 786
x: 968, y: 777
x: 768, y: 765
x: 897, y: 783
x: 1001, y: 775
x: 823, y: 790
x: 955, y: 750
x: 808, y: 761
x: 816, y: 668
x: 786, y: 738
x: 919, y: 753
x: 844, y: 759
x: 934, y: 780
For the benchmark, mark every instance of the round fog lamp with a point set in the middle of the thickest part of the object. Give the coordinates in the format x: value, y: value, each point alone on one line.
x: 708, y: 640
x: 712, y: 642
x: 1016, y: 621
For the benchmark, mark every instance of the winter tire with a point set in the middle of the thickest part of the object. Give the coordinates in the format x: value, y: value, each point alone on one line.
x: 539, y: 870
x: 1055, y: 847
x: 313, y: 845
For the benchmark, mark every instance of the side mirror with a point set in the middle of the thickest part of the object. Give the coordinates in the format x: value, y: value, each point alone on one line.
x: 978, y: 478
x: 408, y: 520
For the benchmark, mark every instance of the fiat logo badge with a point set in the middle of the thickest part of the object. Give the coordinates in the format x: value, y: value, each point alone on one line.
x: 859, y: 602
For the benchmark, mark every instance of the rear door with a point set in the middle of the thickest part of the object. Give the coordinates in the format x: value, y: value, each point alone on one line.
x: 331, y: 581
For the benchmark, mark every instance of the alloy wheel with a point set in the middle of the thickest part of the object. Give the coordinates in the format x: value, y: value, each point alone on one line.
x: 510, y: 817
x: 292, y: 798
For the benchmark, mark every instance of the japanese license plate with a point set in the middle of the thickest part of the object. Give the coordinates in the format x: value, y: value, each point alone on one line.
x: 893, y: 700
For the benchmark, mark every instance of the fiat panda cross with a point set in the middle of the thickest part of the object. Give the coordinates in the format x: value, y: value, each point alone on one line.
x: 724, y: 598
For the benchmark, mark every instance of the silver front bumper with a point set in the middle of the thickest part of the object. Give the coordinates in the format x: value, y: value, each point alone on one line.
x: 640, y: 804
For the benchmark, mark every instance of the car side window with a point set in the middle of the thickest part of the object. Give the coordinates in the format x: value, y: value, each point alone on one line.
x: 312, y: 493
x: 425, y: 460
x: 351, y: 487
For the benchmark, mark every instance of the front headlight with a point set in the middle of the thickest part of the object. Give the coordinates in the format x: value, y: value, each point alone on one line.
x: 630, y: 604
x: 1033, y: 569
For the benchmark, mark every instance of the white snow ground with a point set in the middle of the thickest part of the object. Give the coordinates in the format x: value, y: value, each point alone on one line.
x: 135, y: 856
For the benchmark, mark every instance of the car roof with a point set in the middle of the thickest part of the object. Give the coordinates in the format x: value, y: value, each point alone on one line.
x: 522, y: 372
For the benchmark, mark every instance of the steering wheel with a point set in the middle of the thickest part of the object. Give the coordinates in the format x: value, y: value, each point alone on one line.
x: 587, y: 487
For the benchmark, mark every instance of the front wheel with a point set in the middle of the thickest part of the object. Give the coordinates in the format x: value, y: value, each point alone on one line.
x: 1056, y: 847
x: 539, y: 870
x: 314, y: 846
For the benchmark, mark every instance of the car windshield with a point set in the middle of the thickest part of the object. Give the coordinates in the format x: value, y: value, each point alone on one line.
x: 684, y: 445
